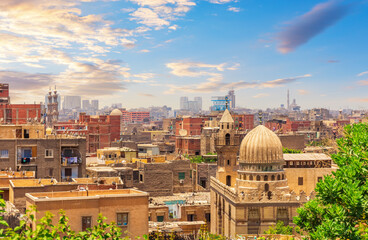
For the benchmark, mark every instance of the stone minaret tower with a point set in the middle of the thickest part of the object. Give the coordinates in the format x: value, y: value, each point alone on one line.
x: 227, y: 145
x: 52, y: 108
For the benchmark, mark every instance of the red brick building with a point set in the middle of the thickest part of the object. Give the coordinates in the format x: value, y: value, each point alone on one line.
x: 16, y: 113
x: 134, y: 117
x: 188, y: 145
x: 243, y: 121
x: 193, y: 126
x: 100, y: 131
x: 189, y: 141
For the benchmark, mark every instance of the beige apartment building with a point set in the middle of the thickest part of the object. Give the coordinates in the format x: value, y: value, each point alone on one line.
x: 128, y: 208
x: 48, y: 156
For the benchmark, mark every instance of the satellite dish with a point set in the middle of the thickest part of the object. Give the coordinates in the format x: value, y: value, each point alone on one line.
x: 183, y: 132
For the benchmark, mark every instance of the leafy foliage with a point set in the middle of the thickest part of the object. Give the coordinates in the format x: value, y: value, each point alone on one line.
x: 341, y: 204
x: 287, y: 150
x: 280, y: 228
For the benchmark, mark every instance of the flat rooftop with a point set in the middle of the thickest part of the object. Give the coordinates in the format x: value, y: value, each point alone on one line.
x: 306, y: 156
x: 13, y: 174
x: 198, y: 198
x: 100, y: 180
x: 33, y: 182
x: 44, y: 196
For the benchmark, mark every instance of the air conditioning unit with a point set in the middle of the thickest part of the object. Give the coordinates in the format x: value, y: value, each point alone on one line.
x: 181, y: 181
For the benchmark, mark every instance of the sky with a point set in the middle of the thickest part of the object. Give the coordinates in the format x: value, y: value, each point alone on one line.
x: 145, y: 53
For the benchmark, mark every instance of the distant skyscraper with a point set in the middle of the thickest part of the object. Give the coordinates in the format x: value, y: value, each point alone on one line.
x: 71, y: 102
x: 94, y: 104
x: 231, y: 98
x: 86, y: 105
x: 198, y: 101
x: 288, y: 100
x: 184, y: 103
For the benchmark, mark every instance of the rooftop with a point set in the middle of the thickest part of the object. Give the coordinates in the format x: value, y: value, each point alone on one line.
x: 33, y: 182
x: 46, y: 196
x: 199, y: 198
x: 306, y: 156
x: 13, y: 174
x: 101, y: 180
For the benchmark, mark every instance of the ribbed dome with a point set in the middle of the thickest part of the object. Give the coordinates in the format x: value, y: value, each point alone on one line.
x: 116, y: 112
x: 261, y: 146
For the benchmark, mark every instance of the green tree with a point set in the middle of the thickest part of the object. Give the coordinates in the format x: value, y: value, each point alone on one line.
x: 288, y: 150
x: 341, y: 204
x: 280, y: 228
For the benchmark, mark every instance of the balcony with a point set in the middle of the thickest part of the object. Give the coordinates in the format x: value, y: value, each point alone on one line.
x: 27, y: 160
x: 67, y: 161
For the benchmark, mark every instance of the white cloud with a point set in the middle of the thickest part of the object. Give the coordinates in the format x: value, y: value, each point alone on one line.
x: 214, y: 78
x: 362, y: 73
x: 233, y: 9
x: 160, y: 13
x: 221, y: 1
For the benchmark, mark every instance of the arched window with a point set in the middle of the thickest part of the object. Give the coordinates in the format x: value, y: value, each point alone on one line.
x: 266, y: 178
x: 228, y: 126
x: 283, y: 176
x: 269, y: 195
x: 228, y: 180
x: 278, y: 177
x: 267, y: 187
x: 258, y: 178
x: 227, y: 139
x: 251, y: 177
x: 228, y: 162
x: 273, y: 178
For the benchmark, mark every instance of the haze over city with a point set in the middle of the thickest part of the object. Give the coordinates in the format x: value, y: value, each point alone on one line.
x: 151, y: 52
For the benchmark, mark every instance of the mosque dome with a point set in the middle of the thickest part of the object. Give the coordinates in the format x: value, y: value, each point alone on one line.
x: 261, y: 146
x: 116, y: 112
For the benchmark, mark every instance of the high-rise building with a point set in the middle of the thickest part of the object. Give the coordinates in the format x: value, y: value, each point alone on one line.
x: 72, y: 102
x: 231, y: 98
x: 94, y: 104
x: 198, y: 101
x: 192, y: 106
x: 184, y: 103
x: 86, y: 105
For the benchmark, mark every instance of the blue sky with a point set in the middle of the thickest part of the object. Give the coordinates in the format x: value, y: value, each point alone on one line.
x: 151, y: 52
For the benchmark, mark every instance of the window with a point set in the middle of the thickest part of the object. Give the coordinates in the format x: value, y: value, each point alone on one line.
x: 300, y: 181
x: 207, y: 217
x: 86, y: 222
x: 181, y: 175
x: 160, y: 218
x: 68, y: 172
x: 140, y: 177
x: 191, y: 217
x: 26, y: 133
x: 227, y: 139
x: 122, y: 219
x: 4, y: 153
x: 49, y: 153
x: 228, y: 180
x: 50, y: 172
x: 228, y: 162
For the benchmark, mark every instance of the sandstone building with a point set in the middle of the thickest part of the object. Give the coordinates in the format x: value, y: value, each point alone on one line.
x: 251, y: 193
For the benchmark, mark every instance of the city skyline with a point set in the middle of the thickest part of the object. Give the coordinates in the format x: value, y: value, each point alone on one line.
x: 144, y: 51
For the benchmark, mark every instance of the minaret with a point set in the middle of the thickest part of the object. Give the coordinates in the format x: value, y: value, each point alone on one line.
x: 227, y: 145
